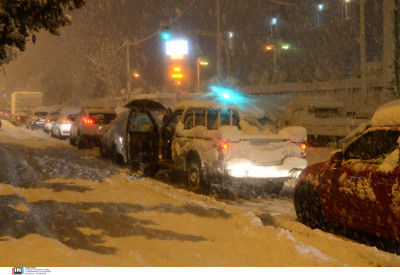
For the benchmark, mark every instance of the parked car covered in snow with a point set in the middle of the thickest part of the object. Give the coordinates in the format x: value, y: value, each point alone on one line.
x: 62, y: 125
x: 218, y: 144
x: 324, y: 118
x: 358, y: 186
x: 91, y: 123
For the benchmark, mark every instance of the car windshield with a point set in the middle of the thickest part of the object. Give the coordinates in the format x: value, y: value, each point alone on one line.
x: 158, y: 116
x: 42, y: 114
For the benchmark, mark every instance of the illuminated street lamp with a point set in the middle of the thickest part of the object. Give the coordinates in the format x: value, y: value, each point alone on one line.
x: 202, y: 63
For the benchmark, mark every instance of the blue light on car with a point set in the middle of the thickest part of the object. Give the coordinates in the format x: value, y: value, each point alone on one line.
x: 229, y: 96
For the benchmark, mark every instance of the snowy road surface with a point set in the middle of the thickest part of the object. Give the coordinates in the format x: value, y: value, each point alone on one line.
x: 64, y: 207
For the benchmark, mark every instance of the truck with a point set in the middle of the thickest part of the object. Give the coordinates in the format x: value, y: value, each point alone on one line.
x: 22, y: 103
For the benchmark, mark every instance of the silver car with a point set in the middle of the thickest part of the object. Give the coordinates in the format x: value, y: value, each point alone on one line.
x: 61, y: 127
x: 90, y: 124
x: 111, y: 144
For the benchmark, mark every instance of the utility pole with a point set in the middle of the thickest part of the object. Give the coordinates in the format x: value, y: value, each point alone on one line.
x: 390, y: 49
x: 219, y: 68
x: 363, y: 53
x: 128, y: 70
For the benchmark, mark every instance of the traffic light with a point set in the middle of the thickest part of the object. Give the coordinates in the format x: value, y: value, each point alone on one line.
x: 166, y: 35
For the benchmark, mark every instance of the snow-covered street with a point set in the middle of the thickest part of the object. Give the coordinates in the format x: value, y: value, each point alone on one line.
x: 61, y: 206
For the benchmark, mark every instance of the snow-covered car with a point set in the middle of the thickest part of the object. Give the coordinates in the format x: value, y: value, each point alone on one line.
x: 324, y: 118
x: 358, y: 186
x: 90, y: 124
x: 62, y: 125
x: 111, y: 144
x: 36, y: 118
x: 217, y: 144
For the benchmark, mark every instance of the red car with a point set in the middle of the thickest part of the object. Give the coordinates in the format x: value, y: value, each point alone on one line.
x: 358, y: 187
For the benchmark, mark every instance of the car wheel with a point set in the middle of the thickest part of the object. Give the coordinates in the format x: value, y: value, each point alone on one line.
x: 79, y: 141
x: 102, y: 151
x: 116, y: 158
x: 71, y: 141
x: 308, y: 206
x: 51, y: 133
x: 196, y: 179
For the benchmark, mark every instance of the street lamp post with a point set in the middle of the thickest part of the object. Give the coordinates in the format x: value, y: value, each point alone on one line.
x: 128, y: 69
x: 203, y: 63
x: 275, y: 49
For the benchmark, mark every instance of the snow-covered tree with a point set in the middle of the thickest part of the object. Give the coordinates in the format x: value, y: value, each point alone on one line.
x: 22, y: 19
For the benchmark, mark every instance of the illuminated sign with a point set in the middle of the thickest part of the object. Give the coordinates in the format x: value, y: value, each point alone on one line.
x: 177, y: 47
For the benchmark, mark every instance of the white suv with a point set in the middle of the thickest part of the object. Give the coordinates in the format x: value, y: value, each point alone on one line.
x: 218, y: 145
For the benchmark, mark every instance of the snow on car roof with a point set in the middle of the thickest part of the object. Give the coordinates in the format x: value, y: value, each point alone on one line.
x: 70, y: 110
x: 207, y: 104
x: 388, y: 115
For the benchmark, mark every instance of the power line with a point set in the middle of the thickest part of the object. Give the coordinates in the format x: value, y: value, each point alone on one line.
x: 155, y: 33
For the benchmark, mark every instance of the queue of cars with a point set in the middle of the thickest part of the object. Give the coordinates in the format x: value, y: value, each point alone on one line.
x: 214, y: 144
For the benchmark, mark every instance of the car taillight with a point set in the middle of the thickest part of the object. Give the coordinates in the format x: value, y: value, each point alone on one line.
x: 18, y: 118
x: 48, y: 120
x: 303, y: 147
x: 87, y: 120
x: 66, y: 121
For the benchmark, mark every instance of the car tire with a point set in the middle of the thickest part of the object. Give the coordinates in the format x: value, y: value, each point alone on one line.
x: 79, y: 141
x: 195, y: 178
x: 102, y: 151
x: 308, y: 206
x: 72, y: 141
x: 116, y: 158
x: 149, y: 169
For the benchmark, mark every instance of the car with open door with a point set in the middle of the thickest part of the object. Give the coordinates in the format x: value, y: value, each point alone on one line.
x: 141, y: 136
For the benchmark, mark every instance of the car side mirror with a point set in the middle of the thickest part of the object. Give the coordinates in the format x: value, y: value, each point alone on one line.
x: 337, y: 156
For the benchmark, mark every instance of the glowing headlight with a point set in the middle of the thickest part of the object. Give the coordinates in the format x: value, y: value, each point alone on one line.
x: 247, y: 169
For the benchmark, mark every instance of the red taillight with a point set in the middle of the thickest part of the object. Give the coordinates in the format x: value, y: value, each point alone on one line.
x: 303, y: 149
x: 18, y: 118
x: 48, y: 120
x: 66, y: 122
x: 224, y: 147
x: 87, y: 120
